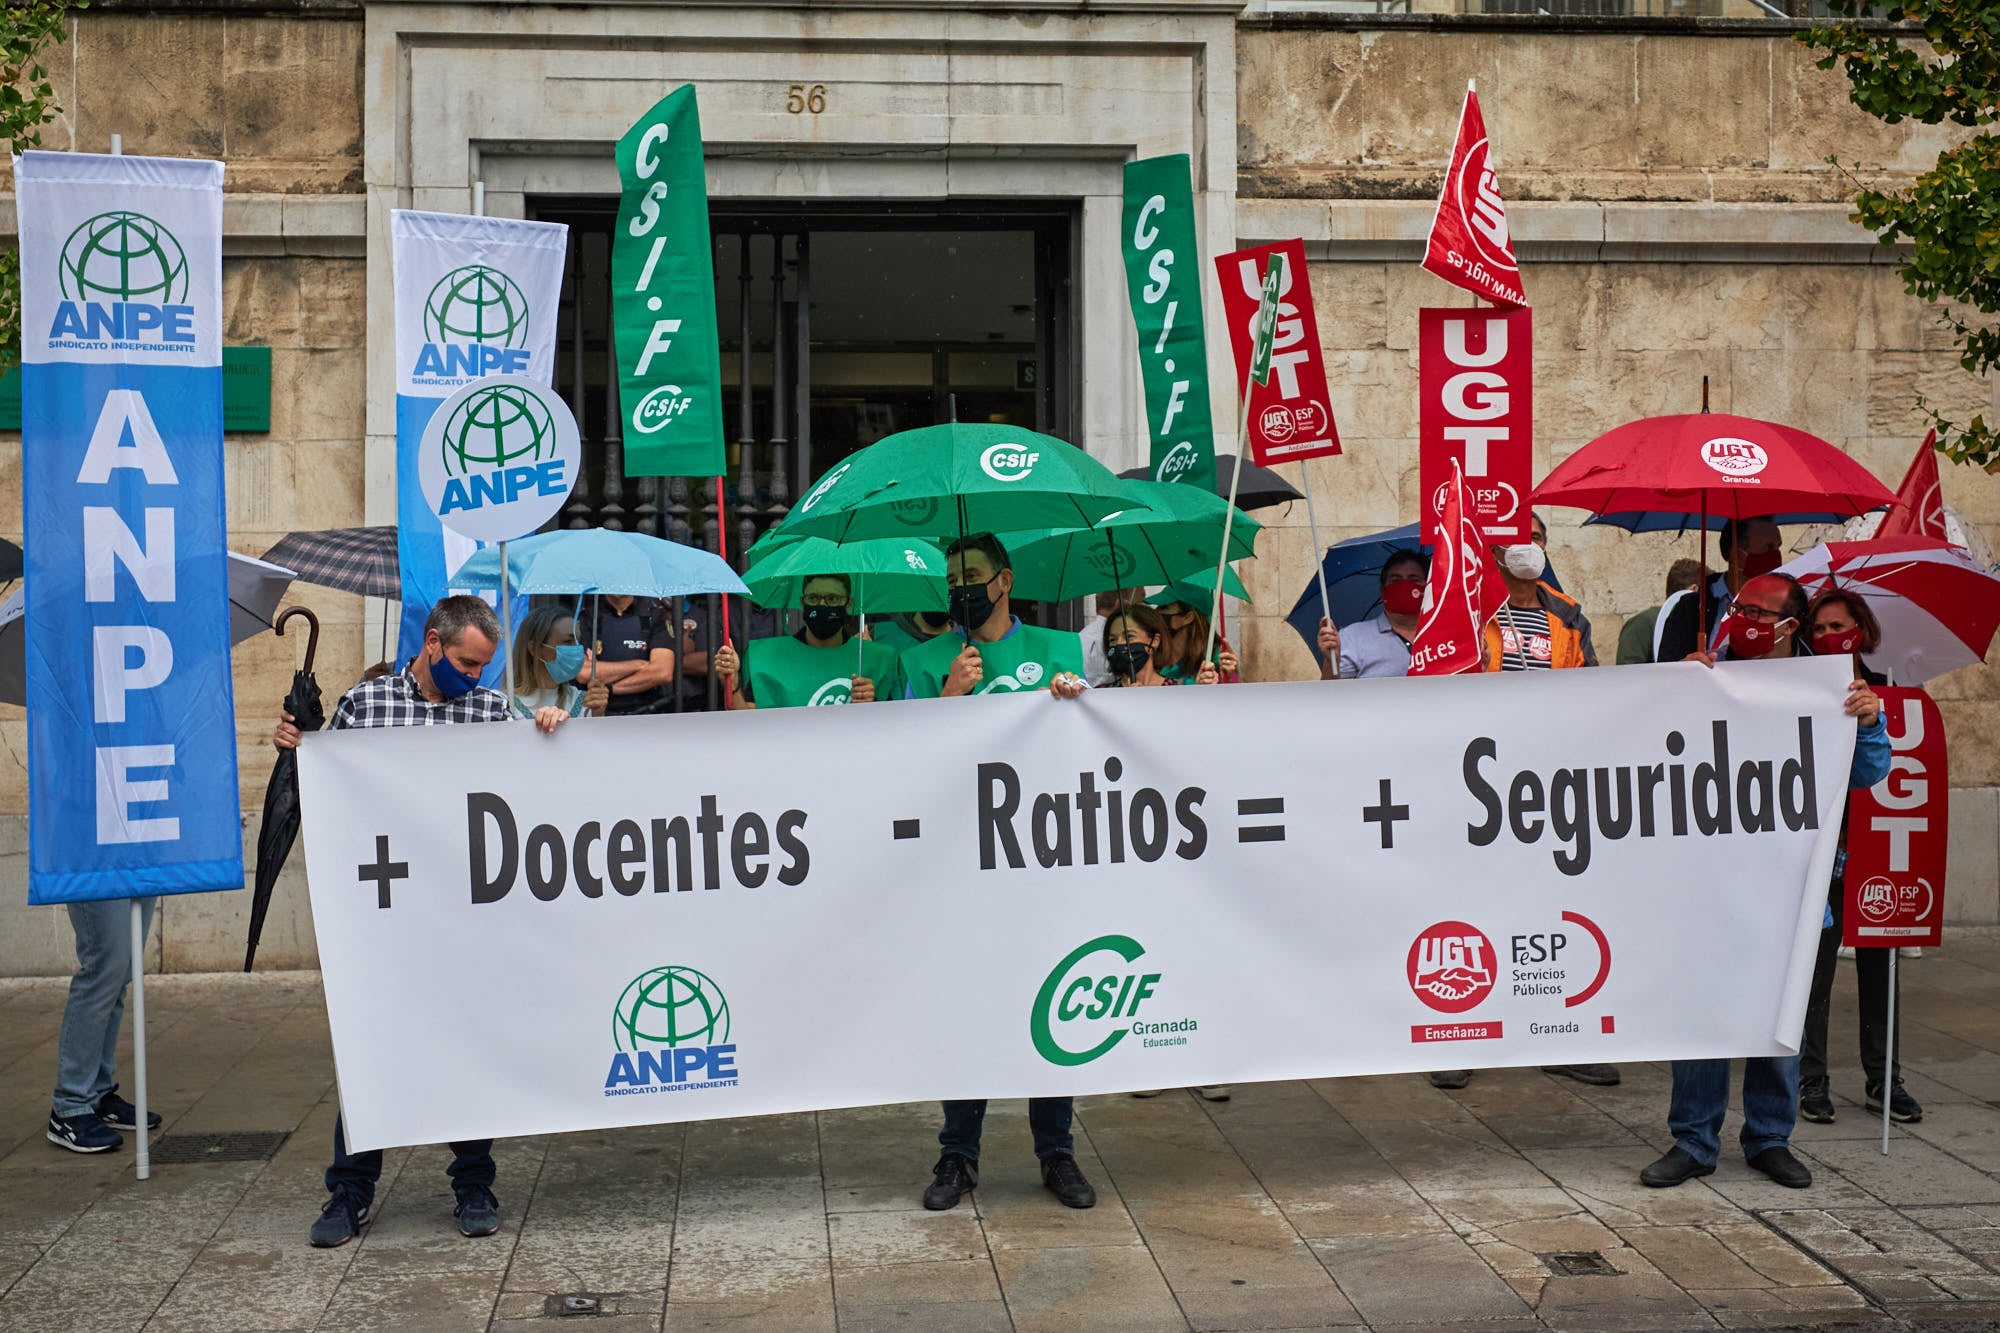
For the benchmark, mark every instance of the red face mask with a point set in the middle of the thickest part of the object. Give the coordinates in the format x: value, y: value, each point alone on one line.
x: 1832, y: 645
x: 1403, y: 597
x: 1749, y: 638
x: 1761, y: 562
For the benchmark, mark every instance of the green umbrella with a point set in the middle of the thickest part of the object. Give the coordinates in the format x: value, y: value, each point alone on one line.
x: 902, y: 574
x: 1197, y: 590
x: 953, y: 480
x: 1175, y: 532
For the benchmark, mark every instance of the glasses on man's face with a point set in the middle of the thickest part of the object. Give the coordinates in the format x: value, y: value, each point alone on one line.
x: 1763, y: 613
x: 830, y: 600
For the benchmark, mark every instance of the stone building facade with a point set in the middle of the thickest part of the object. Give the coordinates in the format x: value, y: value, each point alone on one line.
x: 1667, y: 180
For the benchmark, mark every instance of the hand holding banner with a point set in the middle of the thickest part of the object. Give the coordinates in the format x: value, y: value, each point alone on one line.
x: 1163, y: 275
x: 1464, y: 592
x: 1290, y: 411
x: 663, y: 297
x: 1470, y: 245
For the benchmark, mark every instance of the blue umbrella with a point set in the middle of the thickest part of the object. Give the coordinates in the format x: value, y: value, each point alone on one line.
x: 1647, y: 520
x: 1353, y: 571
x: 628, y: 564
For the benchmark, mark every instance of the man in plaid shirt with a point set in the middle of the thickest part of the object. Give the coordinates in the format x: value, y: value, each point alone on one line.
x: 439, y: 686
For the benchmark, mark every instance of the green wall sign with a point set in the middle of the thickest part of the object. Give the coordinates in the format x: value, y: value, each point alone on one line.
x: 246, y: 391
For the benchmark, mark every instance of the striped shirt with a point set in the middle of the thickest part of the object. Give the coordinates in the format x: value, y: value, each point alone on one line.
x: 395, y: 700
x: 1524, y: 638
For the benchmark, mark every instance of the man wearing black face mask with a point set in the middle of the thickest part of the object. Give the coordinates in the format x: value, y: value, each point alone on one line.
x: 821, y: 664
x: 439, y: 687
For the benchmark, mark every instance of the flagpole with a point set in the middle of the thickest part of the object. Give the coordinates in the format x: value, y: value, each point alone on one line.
x: 1889, y: 1054
x: 1319, y: 554
x: 1229, y: 518
x: 1261, y: 333
x: 722, y: 548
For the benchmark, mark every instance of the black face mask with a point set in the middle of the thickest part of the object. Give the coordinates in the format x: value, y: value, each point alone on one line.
x: 825, y: 622
x: 972, y: 604
x: 1127, y: 660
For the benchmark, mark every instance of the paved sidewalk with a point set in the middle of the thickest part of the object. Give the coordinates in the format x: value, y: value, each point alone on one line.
x: 1347, y: 1203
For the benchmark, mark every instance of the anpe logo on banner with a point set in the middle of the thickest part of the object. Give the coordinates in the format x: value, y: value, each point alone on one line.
x: 671, y: 1028
x: 1734, y: 458
x: 1091, y: 1000
x: 124, y: 284
x: 1007, y: 462
x: 498, y: 458
x: 475, y: 324
x: 1450, y: 967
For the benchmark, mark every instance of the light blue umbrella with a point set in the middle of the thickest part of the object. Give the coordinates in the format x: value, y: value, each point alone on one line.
x: 622, y: 564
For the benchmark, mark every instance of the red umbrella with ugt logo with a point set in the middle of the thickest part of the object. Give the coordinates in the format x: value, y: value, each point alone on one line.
x: 1711, y: 463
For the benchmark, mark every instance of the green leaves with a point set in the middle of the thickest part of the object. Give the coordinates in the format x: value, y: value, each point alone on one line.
x: 27, y: 102
x: 1950, y: 215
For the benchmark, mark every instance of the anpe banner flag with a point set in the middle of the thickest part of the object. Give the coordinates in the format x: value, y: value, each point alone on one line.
x: 663, y: 297
x: 1463, y: 593
x: 132, y: 784
x: 711, y: 937
x: 1919, y: 507
x: 1470, y: 245
x: 1163, y: 276
x: 1291, y: 413
x: 1476, y: 411
x: 475, y: 296
x: 1897, y: 834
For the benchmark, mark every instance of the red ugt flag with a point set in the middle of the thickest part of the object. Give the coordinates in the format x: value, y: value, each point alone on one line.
x: 1464, y: 592
x: 1470, y: 245
x: 1919, y: 507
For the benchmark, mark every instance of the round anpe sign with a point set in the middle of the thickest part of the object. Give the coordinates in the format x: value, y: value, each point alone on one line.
x: 499, y: 458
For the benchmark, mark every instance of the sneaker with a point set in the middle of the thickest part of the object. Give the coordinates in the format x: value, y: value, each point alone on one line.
x: 1065, y: 1180
x: 1779, y: 1164
x: 1677, y: 1167
x: 83, y: 1133
x: 1602, y: 1076
x: 1910, y: 951
x: 1451, y: 1079
x: 478, y: 1212
x: 1816, y: 1100
x: 954, y: 1178
x: 1903, y: 1108
x: 340, y: 1221
x: 118, y: 1113
x: 1149, y: 1092
x: 1213, y: 1092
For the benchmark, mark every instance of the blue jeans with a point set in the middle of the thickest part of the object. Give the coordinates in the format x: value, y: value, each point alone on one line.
x: 356, y: 1174
x: 87, y: 1050
x: 1701, y: 1098
x: 1048, y: 1120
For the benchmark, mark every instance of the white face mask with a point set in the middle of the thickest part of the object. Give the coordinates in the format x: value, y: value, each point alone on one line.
x: 1526, y: 561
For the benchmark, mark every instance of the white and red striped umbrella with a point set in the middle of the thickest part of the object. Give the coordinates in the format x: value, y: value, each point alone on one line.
x: 1938, y: 607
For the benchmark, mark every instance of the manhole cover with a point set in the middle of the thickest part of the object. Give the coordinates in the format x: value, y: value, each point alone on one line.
x: 1578, y: 1263
x: 248, y: 1146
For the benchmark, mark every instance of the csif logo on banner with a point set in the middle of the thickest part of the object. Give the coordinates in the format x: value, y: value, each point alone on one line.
x: 499, y: 457
x: 123, y: 280
x: 671, y: 1028
x: 476, y: 322
x: 1091, y: 1000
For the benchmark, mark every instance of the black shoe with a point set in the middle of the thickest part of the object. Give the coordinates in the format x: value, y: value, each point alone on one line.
x: 1601, y: 1076
x: 340, y: 1221
x: 1779, y: 1164
x: 955, y: 1178
x: 1451, y: 1079
x: 1676, y: 1168
x: 83, y: 1133
x: 1903, y: 1108
x: 1816, y: 1100
x: 1066, y: 1182
x: 478, y: 1212
x: 118, y: 1113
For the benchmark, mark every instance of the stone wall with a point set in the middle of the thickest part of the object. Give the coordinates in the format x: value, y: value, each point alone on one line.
x: 1683, y: 142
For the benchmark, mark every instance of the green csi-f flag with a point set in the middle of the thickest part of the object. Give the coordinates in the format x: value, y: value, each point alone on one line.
x: 1163, y: 274
x: 663, y: 297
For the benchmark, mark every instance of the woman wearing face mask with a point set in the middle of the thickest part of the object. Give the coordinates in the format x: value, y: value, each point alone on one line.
x: 1841, y: 624
x: 821, y: 664
x: 1178, y: 654
x: 1132, y: 638
x: 547, y: 658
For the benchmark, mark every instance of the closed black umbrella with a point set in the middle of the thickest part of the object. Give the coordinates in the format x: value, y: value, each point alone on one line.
x: 1260, y: 488
x: 281, y: 798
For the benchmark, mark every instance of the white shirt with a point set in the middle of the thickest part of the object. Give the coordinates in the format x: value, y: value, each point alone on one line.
x: 1370, y: 648
x: 1096, y: 670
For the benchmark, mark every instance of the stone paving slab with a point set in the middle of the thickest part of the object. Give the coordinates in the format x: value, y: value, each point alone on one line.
x: 1369, y: 1203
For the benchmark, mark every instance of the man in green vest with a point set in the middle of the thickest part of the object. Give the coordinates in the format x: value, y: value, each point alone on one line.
x: 821, y: 664
x: 989, y: 651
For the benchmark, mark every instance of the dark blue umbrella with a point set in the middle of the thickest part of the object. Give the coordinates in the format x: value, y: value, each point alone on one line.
x: 1353, y: 571
x: 1646, y: 520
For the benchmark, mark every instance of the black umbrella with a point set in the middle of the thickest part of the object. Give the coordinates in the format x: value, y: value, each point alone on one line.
x: 10, y: 562
x: 281, y: 798
x: 1260, y: 488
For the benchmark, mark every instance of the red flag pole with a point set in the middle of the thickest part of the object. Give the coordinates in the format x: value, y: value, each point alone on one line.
x: 722, y: 549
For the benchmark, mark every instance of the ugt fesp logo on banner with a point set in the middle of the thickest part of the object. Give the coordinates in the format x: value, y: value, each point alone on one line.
x: 1291, y: 415
x: 1476, y: 408
x: 499, y: 458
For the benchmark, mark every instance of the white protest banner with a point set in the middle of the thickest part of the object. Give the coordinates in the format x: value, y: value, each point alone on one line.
x: 679, y: 918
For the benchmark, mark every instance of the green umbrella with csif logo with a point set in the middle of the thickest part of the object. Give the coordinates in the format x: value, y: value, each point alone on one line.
x: 1169, y: 535
x: 883, y: 574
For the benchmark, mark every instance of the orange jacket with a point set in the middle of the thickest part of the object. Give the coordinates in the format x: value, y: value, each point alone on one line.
x: 1568, y: 645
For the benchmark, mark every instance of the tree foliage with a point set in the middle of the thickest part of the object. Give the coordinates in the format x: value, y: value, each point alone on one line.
x: 27, y: 102
x: 1950, y: 215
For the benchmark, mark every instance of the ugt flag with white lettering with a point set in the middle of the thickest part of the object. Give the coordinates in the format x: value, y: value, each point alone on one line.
x: 131, y: 715
x: 1470, y: 245
x: 475, y: 296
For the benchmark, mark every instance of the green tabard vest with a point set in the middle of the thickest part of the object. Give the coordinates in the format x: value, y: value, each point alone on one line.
x: 786, y: 673
x: 1024, y: 660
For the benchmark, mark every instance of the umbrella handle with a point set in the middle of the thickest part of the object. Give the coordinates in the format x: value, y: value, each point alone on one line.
x: 312, y: 630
